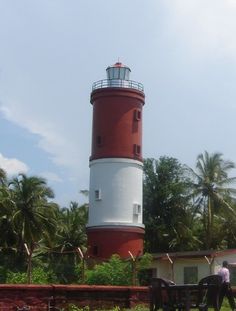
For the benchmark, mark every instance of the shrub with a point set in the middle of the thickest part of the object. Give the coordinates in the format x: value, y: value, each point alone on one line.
x: 39, y: 276
x: 113, y: 272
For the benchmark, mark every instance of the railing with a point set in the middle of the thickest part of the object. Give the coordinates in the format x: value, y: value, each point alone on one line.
x: 117, y: 83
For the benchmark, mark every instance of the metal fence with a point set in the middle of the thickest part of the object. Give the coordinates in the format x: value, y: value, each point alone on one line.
x: 117, y: 83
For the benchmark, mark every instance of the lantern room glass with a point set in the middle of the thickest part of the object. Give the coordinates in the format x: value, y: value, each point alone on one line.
x: 118, y: 73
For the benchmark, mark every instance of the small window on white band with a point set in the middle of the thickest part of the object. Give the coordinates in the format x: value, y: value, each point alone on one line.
x: 97, y: 194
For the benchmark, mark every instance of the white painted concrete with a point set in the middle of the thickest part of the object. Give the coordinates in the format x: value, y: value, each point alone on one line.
x: 115, y: 187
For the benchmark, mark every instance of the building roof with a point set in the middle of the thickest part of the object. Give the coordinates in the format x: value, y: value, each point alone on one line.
x: 194, y: 254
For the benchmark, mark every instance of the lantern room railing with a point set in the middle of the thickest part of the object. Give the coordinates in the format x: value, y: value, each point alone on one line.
x: 117, y: 83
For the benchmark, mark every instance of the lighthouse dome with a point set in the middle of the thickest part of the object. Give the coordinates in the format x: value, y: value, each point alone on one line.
x: 118, y: 71
x: 117, y: 76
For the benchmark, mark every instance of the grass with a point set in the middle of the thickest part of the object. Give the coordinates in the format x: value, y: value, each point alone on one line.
x: 225, y: 307
x: 71, y: 307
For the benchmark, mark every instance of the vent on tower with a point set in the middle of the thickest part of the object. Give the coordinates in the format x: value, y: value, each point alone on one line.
x: 99, y: 140
x: 137, y: 209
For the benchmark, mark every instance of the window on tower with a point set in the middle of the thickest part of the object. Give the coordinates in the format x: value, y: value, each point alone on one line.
x: 137, y: 149
x: 137, y: 114
x: 97, y: 194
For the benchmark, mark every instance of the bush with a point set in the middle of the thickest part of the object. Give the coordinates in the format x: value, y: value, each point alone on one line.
x: 39, y: 276
x: 3, y: 274
x: 16, y: 277
x: 73, y: 307
x: 113, y: 272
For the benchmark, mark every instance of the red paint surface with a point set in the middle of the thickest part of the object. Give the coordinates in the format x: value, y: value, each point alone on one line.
x: 114, y: 122
x: 120, y: 240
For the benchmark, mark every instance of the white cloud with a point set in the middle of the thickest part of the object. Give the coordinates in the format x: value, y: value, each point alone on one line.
x: 206, y: 26
x: 12, y: 166
x: 50, y: 176
x: 54, y: 137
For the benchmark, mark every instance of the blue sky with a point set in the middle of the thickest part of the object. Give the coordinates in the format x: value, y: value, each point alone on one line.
x: 51, y: 51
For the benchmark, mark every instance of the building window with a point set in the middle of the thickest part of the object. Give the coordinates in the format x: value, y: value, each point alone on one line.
x: 137, y: 149
x: 97, y: 194
x: 137, y: 114
x: 137, y: 209
x: 190, y: 275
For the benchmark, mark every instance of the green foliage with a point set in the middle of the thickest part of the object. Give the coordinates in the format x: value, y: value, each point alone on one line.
x: 140, y: 308
x: 143, y: 266
x: 113, y: 272
x: 168, y: 217
x: 71, y: 232
x: 145, y: 261
x: 182, y: 211
x: 16, y: 277
x: 80, y: 272
x: 39, y: 276
x: 214, y: 198
x: 28, y: 215
x: 69, y: 235
x: 3, y: 274
x: 72, y: 307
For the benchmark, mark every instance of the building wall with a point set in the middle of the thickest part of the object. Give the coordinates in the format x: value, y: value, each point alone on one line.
x: 115, y: 124
x: 179, y: 265
x: 45, y: 297
x: 115, y: 192
x: 120, y: 184
x: 106, y: 241
x: 165, y: 271
x: 163, y: 268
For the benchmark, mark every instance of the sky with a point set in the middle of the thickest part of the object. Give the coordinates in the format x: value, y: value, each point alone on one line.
x: 51, y: 52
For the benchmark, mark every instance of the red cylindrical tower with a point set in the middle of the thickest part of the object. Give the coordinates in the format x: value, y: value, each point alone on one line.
x: 115, y: 194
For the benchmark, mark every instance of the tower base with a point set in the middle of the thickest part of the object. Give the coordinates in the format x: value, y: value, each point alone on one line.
x: 104, y: 241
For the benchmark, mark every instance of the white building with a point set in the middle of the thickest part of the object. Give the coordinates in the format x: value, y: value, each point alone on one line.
x: 190, y: 267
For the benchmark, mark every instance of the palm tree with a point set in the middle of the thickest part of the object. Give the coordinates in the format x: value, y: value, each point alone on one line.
x: 7, y: 235
x: 72, y: 230
x: 31, y: 197
x: 168, y: 215
x: 3, y: 176
x: 70, y: 235
x: 32, y: 217
x: 211, y: 188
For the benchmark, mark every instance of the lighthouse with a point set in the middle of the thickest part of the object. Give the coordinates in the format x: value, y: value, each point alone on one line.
x: 115, y: 224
